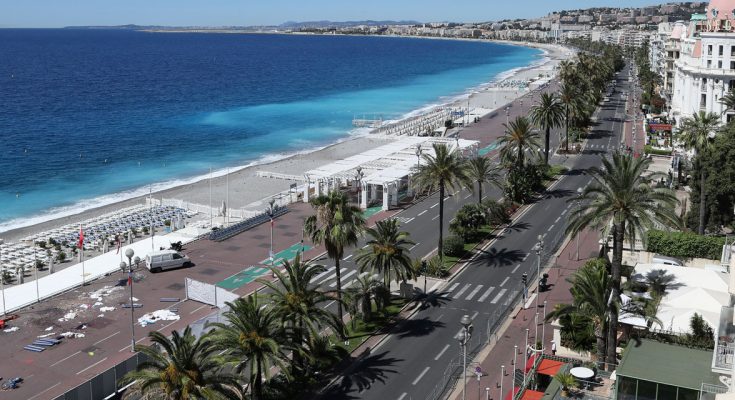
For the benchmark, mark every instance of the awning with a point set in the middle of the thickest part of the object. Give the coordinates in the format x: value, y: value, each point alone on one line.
x: 549, y: 367
x: 529, y: 363
x: 510, y: 395
x: 532, y: 395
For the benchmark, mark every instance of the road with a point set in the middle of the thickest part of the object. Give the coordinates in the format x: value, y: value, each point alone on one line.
x: 413, y: 362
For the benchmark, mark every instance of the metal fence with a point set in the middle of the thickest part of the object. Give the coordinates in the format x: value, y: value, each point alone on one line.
x: 104, y: 386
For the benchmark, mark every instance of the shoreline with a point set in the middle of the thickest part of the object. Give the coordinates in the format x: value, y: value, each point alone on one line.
x: 243, y: 182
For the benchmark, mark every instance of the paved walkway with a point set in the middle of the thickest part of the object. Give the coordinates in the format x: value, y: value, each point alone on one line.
x: 500, y: 352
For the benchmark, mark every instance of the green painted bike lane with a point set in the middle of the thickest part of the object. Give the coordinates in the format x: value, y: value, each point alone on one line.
x: 254, y: 272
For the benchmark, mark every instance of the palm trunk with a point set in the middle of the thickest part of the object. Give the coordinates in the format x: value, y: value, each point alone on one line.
x: 546, y: 149
x: 339, y: 288
x: 441, y: 221
x: 479, y: 192
x: 702, y: 202
x: 617, y: 261
x: 566, y: 123
x: 600, y: 338
x: 520, y: 155
x: 258, y: 384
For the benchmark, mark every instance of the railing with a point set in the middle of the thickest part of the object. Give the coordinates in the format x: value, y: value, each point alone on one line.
x: 710, y: 391
x: 724, y: 353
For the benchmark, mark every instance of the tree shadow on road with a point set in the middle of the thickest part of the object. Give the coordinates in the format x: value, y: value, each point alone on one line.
x: 500, y: 258
x: 361, y: 375
x: 416, y: 327
x: 557, y: 193
x: 422, y: 301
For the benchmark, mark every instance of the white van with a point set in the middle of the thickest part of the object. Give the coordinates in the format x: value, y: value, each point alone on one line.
x: 166, y: 259
x: 659, y: 259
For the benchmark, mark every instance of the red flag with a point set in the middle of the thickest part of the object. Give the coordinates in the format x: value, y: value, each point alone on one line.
x: 80, y: 243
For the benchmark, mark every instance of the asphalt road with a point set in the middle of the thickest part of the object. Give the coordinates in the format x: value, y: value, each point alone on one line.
x: 413, y: 362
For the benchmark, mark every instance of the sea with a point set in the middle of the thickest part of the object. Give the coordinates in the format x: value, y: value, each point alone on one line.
x: 89, y: 117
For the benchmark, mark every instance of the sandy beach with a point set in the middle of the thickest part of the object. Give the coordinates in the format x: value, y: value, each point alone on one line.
x: 247, y: 190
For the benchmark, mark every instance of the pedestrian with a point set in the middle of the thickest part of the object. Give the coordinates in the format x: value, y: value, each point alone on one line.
x: 553, y: 348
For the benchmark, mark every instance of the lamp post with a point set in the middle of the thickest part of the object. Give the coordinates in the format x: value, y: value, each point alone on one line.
x: 270, y: 214
x: 543, y: 328
x: 502, y: 375
x: 464, y: 337
x: 579, y: 204
x: 539, y: 247
x: 525, y: 357
x: 132, y: 263
x: 515, y: 366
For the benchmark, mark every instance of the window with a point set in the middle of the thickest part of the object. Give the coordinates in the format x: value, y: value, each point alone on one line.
x: 709, y: 63
x: 626, y: 388
x: 721, y: 50
x: 666, y: 391
x: 177, y: 256
x: 703, y: 101
x: 732, y: 64
x: 731, y: 84
x: 709, y: 50
x: 646, y: 390
x: 719, y: 64
x: 732, y: 51
x: 704, y: 83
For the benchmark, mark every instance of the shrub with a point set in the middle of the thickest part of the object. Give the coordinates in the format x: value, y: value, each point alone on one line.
x: 453, y: 246
x: 650, y: 150
x: 685, y: 245
x: 468, y: 221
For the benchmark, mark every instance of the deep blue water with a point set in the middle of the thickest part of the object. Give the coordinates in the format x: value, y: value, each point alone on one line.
x: 89, y: 113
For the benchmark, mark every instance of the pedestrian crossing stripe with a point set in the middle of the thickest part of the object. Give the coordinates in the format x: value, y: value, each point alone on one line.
x: 469, y: 292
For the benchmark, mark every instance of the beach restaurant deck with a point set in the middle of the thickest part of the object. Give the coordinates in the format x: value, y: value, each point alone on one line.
x: 379, y: 172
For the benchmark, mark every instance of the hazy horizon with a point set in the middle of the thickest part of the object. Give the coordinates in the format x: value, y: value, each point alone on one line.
x: 55, y: 14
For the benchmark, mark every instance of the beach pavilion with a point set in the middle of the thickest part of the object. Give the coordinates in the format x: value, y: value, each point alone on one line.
x: 380, y: 172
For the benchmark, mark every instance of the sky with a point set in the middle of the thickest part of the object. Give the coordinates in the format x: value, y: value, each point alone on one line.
x: 59, y: 13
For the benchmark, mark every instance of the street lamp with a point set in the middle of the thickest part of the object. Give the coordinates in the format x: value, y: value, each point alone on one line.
x: 539, y: 247
x: 270, y: 210
x: 464, y: 337
x: 132, y: 263
x: 515, y: 367
x: 358, y: 177
x: 502, y: 375
x: 543, y: 328
x: 579, y: 204
x: 525, y: 358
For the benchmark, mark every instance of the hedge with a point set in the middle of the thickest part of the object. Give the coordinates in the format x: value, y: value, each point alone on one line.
x: 685, y: 245
x: 658, y: 152
x: 453, y: 246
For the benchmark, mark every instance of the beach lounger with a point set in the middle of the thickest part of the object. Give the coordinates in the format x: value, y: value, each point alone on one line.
x: 170, y: 299
x: 36, y: 349
x: 42, y: 343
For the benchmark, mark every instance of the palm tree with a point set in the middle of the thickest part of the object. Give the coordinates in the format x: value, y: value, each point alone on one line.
x: 297, y: 301
x: 698, y: 133
x: 569, y: 97
x: 251, y: 339
x: 590, y: 292
x: 519, y: 137
x: 481, y: 171
x: 180, y: 368
x: 728, y: 100
x: 387, y: 251
x: 443, y: 170
x: 620, y: 192
x: 547, y: 115
x: 337, y: 224
x: 362, y: 293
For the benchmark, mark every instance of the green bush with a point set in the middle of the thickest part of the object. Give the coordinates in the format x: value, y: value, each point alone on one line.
x: 650, y: 150
x: 685, y: 245
x: 453, y: 246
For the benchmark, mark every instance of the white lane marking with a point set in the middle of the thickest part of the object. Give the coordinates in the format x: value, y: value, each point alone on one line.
x: 347, y: 258
x: 421, y: 375
x: 500, y: 294
x: 434, y: 205
x: 330, y: 303
x: 557, y: 219
x: 515, y: 269
x: 451, y: 288
x: 439, y: 317
x: 197, y: 309
x: 504, y: 281
x: 468, y: 196
x: 64, y: 359
x: 474, y: 315
x: 525, y: 257
x: 366, y: 246
x: 438, y: 356
x: 422, y: 213
x: 473, y: 293
x: 486, y: 294
x: 550, y: 228
x: 102, y: 340
x: 330, y: 277
x: 435, y: 218
x: 350, y: 283
x: 402, y: 396
x: 316, y: 278
x: 45, y: 390
x: 464, y: 288
x: 98, y: 362
x: 436, y: 285
x: 411, y: 248
x: 408, y: 221
x: 343, y: 277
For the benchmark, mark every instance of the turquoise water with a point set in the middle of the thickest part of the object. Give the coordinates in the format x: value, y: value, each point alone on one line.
x: 94, y: 117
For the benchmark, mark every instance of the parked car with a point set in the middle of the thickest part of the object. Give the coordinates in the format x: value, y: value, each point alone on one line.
x: 659, y: 259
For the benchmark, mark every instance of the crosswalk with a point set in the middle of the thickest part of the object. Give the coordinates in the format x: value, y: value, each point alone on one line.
x: 473, y: 292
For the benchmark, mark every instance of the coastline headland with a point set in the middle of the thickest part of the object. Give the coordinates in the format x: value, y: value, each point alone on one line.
x: 246, y: 190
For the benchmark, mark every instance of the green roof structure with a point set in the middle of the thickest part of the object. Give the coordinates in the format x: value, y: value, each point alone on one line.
x: 668, y: 364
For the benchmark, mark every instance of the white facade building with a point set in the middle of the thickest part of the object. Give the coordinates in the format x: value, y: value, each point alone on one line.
x: 705, y: 70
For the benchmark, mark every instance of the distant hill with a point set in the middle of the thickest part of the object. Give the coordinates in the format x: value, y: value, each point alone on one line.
x: 342, y: 24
